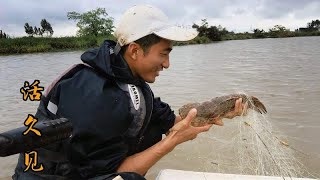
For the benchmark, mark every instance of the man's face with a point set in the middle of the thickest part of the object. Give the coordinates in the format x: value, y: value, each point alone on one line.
x: 149, y: 64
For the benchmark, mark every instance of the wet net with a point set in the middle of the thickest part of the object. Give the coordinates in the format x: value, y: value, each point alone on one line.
x: 247, y: 145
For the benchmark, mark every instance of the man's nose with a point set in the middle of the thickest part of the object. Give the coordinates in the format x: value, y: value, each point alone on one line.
x: 166, y: 63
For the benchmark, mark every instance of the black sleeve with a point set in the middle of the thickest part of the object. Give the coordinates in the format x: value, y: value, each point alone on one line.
x: 162, y: 115
x: 161, y: 121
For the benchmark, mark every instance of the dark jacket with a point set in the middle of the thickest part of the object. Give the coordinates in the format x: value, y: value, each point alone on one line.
x: 99, y: 111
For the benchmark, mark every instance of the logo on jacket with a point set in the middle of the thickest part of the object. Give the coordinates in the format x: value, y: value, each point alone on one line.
x: 134, y: 94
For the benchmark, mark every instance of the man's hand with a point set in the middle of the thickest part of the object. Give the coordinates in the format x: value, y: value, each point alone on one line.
x: 183, y: 130
x: 239, y: 109
x: 178, y: 119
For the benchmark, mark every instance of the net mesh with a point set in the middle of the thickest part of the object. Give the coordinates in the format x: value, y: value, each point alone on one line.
x: 245, y: 145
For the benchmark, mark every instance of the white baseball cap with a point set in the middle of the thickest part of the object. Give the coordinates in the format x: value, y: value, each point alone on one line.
x: 142, y: 20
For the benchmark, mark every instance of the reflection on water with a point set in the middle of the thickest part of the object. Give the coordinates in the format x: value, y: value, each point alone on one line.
x: 283, y: 73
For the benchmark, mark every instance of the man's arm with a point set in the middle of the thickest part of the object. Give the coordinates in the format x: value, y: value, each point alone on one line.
x: 182, y: 131
x: 179, y: 133
x: 163, y: 115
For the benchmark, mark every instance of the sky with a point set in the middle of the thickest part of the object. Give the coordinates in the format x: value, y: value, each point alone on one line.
x: 234, y: 15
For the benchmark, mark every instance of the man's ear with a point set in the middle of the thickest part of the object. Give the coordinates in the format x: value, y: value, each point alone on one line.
x: 132, y: 50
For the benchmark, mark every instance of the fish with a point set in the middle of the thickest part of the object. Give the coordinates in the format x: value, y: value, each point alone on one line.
x: 209, y: 111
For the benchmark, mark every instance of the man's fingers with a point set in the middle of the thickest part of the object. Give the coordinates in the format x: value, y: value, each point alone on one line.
x: 245, y: 109
x: 186, y: 122
x: 191, y: 115
x: 204, y: 128
x: 193, y: 137
x: 178, y: 119
x: 218, y: 122
x: 238, y: 107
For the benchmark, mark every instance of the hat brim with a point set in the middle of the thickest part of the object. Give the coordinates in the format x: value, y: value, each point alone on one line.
x: 177, y: 33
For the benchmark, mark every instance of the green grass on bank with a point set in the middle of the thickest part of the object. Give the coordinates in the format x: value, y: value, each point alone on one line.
x: 45, y: 44
x: 243, y: 36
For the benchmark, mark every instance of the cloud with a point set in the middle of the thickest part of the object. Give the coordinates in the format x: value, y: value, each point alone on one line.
x: 15, y: 13
x: 237, y: 15
x: 273, y: 9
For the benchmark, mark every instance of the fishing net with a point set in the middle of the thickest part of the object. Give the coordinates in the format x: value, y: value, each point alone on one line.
x: 247, y: 145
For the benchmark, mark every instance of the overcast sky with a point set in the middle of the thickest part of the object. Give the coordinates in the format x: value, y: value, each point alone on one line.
x: 235, y: 15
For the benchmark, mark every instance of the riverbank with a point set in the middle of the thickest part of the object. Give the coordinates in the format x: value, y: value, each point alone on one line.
x: 246, y: 35
x: 44, y: 44
x: 283, y: 73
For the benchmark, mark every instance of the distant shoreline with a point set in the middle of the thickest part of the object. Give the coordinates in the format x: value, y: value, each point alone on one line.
x: 25, y: 45
x: 245, y: 36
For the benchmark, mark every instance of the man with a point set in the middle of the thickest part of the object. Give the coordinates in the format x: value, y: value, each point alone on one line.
x: 117, y: 122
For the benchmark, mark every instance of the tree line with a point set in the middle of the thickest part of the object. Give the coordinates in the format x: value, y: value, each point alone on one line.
x: 37, y: 31
x: 94, y: 22
x: 279, y: 30
x: 3, y: 35
x: 314, y: 25
x: 98, y: 23
x: 218, y: 33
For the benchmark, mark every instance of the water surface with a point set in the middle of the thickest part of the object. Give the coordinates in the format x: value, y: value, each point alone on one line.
x: 283, y: 73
